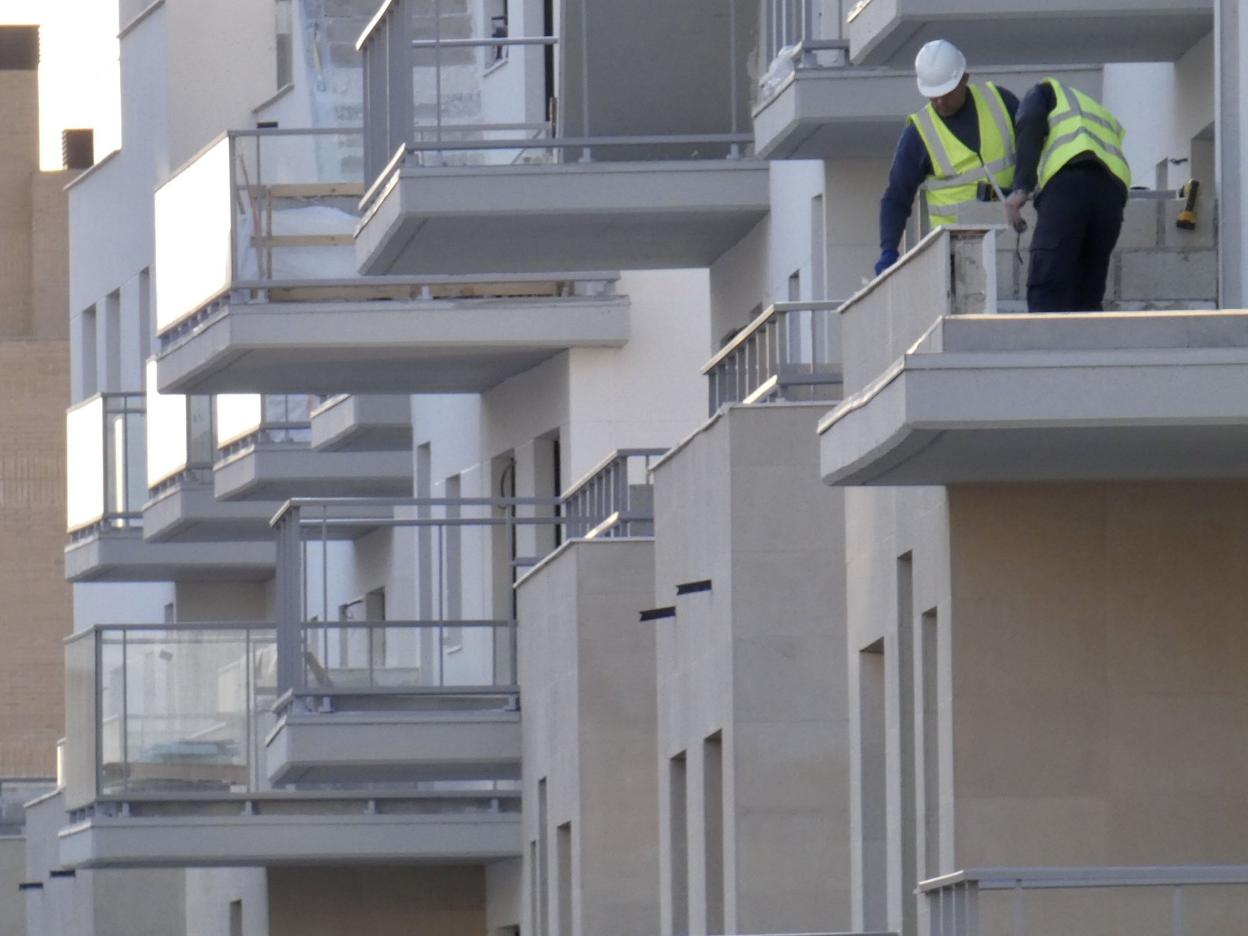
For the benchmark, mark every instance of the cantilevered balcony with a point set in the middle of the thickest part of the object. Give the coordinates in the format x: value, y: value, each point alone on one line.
x: 258, y: 290
x: 941, y: 390
x: 165, y: 767
x: 651, y: 173
x: 348, y: 422
x: 111, y: 520
x: 890, y: 32
x: 366, y: 696
x: 264, y: 453
x: 815, y: 105
x: 181, y: 506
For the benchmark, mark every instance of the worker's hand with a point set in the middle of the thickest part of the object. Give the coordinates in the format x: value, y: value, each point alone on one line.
x: 1014, y: 210
x: 887, y: 259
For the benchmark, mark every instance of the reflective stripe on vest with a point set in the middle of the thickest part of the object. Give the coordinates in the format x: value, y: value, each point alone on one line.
x: 1078, y: 124
x: 957, y: 170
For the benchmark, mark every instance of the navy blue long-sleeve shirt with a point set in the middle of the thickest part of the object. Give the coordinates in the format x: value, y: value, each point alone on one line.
x: 912, y: 166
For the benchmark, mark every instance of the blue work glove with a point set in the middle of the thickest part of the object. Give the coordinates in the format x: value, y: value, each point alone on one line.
x: 887, y: 259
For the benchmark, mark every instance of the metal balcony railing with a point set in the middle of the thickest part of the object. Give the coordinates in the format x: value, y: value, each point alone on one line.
x: 254, y: 211
x: 789, y: 352
x: 615, y: 498
x: 249, y: 421
x: 462, y: 639
x: 107, y: 478
x: 427, y: 96
x: 953, y: 900
x: 181, y: 439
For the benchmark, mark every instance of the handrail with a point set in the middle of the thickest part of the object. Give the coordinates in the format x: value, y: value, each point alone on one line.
x: 484, y: 42
x: 348, y: 502
x: 1084, y: 876
x: 776, y: 308
x: 373, y: 24
x: 477, y: 623
x: 589, y: 476
x: 736, y: 139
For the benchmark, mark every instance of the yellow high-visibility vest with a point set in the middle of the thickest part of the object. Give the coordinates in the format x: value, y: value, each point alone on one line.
x: 957, y: 169
x: 1081, y: 124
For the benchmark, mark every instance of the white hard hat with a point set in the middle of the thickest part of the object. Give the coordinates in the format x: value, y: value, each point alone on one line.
x: 939, y: 67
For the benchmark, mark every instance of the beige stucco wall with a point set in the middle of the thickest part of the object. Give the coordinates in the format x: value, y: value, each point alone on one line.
x: 760, y: 660
x: 587, y: 681
x: 12, y: 872
x: 1099, y: 702
x: 34, y: 391
x: 380, y: 901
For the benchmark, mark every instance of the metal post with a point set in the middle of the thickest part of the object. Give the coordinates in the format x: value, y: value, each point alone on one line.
x: 1018, y: 908
x: 437, y: 73
x: 290, y: 674
x: 125, y: 712
x: 368, y: 628
x: 1177, y: 911
x: 586, y: 153
x: 732, y: 71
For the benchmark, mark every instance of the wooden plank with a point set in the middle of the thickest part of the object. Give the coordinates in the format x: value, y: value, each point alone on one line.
x: 308, y: 190
x: 303, y: 240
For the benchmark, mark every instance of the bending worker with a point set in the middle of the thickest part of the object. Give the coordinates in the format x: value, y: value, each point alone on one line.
x: 946, y: 146
x: 1070, y: 156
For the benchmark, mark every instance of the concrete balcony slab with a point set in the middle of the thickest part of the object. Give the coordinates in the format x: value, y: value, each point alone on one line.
x: 275, y: 472
x: 354, y: 422
x: 1019, y: 398
x: 566, y: 216
x: 395, y: 746
x: 187, y: 511
x: 851, y: 112
x: 296, y: 829
x: 124, y: 556
x: 890, y: 32
x: 451, y: 345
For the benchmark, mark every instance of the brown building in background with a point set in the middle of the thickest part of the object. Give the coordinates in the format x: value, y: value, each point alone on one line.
x: 35, y: 600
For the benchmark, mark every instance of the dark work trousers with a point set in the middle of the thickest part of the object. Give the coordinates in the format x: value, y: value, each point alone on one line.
x: 1078, y: 218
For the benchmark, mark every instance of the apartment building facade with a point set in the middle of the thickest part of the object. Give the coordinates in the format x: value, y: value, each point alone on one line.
x: 515, y: 523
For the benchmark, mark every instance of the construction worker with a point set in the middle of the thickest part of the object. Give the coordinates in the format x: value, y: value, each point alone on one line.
x: 946, y: 146
x: 1070, y: 156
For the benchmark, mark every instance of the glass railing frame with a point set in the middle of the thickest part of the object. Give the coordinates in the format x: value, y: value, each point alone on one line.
x: 123, y: 520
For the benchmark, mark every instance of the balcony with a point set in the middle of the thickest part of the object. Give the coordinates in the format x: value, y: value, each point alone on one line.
x: 1013, y: 900
x: 111, y: 522
x: 815, y: 105
x: 942, y: 390
x: 890, y: 32
x: 165, y: 767
x: 791, y: 352
x: 258, y: 291
x: 362, y: 423
x: 648, y: 175
x: 218, y: 540
x: 265, y: 454
x: 367, y: 697
x: 615, y: 498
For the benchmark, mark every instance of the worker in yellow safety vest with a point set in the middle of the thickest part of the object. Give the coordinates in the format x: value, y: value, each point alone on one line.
x: 1070, y: 157
x: 946, y: 147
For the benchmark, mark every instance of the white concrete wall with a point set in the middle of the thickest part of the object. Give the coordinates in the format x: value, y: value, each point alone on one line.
x: 12, y: 873
x: 758, y: 660
x: 587, y: 683
x: 210, y: 893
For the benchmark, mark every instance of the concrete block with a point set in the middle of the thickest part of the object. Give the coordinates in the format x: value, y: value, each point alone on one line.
x: 1169, y: 274
x: 1141, y: 221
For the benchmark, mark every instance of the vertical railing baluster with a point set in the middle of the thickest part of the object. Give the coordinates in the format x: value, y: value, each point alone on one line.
x: 1176, y: 911
x: 1018, y: 908
x: 972, y: 908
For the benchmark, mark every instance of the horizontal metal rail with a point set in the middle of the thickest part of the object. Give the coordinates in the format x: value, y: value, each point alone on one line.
x: 953, y: 899
x: 606, y: 462
x: 484, y: 42
x: 356, y: 503
x: 560, y: 143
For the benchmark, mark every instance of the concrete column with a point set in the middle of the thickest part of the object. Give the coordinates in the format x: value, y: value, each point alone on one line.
x: 1231, y: 41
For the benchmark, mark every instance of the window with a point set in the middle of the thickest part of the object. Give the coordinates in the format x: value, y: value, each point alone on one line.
x: 285, y: 43
x: 498, y: 30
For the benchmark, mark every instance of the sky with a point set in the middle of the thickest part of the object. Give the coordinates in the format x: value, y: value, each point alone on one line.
x: 78, y: 76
